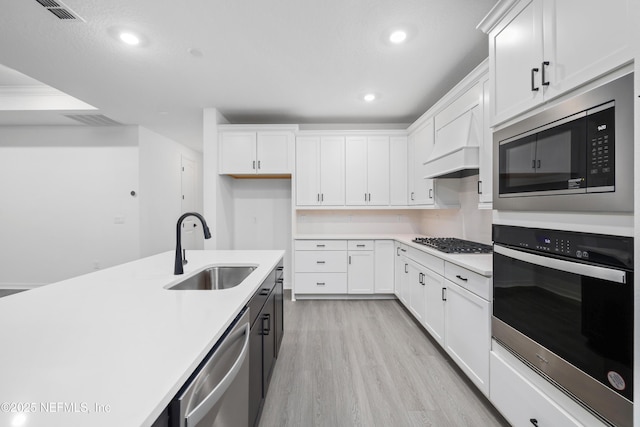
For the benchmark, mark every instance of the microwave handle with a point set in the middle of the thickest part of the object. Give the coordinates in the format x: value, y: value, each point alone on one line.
x: 594, y: 271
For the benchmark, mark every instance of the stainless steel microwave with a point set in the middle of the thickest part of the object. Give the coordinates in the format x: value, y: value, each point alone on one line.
x: 574, y: 156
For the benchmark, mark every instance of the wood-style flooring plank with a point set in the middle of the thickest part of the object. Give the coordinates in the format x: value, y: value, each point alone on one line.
x: 367, y: 363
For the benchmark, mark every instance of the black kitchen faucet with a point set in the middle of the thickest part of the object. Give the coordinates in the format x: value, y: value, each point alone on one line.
x: 177, y: 268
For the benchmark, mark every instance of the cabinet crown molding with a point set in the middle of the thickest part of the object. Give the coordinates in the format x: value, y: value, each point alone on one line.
x: 495, y: 15
x: 258, y: 127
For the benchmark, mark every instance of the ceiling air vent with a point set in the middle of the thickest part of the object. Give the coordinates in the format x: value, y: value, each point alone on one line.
x: 93, y: 119
x: 61, y: 10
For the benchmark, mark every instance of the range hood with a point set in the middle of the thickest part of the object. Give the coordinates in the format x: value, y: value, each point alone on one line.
x: 456, y: 150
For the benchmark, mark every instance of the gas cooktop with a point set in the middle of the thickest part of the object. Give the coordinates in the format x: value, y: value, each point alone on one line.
x: 451, y: 245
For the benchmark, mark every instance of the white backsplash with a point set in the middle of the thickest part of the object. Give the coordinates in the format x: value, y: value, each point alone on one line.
x: 358, y: 222
x: 468, y: 222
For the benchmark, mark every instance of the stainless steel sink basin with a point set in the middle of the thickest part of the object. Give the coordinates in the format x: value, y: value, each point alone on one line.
x: 215, y: 278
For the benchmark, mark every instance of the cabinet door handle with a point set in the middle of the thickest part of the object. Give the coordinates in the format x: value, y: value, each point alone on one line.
x: 398, y: 251
x: 533, y: 164
x: 431, y: 193
x: 320, y: 283
x: 267, y: 317
x: 369, y: 197
x: 349, y: 259
x: 544, y: 78
x: 464, y: 279
x: 533, y: 84
x: 258, y: 164
x: 538, y: 164
x: 254, y: 165
x: 444, y: 294
x: 405, y: 268
x: 318, y: 197
x: 322, y: 197
x: 421, y: 278
x: 534, y: 421
x: 412, y: 193
x: 479, y: 187
x: 319, y: 262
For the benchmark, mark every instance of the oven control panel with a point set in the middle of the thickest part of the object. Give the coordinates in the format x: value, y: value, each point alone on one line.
x: 587, y: 247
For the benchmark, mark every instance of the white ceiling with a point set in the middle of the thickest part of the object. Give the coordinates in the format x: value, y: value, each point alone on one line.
x: 262, y: 61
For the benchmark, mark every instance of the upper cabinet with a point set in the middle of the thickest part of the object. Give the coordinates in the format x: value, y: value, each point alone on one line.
x: 320, y: 171
x: 398, y: 171
x: 367, y: 170
x: 485, y: 154
x: 420, y: 144
x: 251, y: 150
x: 540, y: 49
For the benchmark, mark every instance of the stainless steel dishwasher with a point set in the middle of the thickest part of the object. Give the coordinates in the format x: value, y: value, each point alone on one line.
x: 218, y: 394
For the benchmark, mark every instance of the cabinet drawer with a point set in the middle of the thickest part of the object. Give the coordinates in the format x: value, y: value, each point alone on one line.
x: 520, y: 402
x: 321, y: 283
x: 431, y: 262
x: 321, y: 245
x: 473, y: 282
x: 321, y: 261
x: 360, y: 245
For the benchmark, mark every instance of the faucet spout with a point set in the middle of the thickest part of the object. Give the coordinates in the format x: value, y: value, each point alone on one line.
x: 177, y: 268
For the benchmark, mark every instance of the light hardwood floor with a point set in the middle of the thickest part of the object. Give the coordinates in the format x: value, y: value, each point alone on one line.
x: 366, y: 363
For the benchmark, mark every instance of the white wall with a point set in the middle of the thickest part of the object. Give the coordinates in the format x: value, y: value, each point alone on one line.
x: 468, y: 222
x: 161, y: 191
x: 217, y: 191
x: 66, y: 206
x: 262, y: 216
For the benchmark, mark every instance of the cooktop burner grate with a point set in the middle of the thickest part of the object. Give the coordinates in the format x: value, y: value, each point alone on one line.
x: 451, y: 245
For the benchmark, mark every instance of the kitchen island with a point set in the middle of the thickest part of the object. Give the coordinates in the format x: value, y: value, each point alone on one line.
x: 113, y: 347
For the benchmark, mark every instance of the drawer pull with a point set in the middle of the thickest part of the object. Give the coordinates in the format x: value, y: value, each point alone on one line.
x: 534, y: 422
x: 320, y: 283
x: 264, y: 291
x: 319, y: 262
x: 403, y: 250
x: 320, y: 246
x: 360, y: 246
x: 464, y: 279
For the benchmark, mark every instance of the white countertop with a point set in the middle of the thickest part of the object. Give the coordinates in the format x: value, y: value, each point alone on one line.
x: 115, y: 337
x: 479, y: 263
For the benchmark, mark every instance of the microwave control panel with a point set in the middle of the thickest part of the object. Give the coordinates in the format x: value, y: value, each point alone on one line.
x: 601, y: 148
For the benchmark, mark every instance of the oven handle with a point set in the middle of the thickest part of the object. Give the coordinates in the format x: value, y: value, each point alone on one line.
x: 594, y: 271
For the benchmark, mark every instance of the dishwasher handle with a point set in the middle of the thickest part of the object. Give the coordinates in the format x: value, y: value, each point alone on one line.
x: 203, y: 408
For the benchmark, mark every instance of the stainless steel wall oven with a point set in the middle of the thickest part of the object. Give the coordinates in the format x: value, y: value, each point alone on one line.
x: 563, y: 303
x: 574, y: 156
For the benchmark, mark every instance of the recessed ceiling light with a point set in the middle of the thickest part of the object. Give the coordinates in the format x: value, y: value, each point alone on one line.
x: 129, y: 38
x: 370, y: 97
x: 398, y: 36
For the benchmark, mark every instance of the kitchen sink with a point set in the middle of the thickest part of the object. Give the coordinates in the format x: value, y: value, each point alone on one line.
x: 213, y: 278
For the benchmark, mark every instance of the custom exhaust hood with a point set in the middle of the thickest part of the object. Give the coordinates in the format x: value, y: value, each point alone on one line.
x: 456, y: 150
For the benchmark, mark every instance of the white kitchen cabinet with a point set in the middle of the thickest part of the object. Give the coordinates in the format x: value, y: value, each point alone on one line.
x: 320, y: 267
x: 404, y: 289
x: 468, y: 333
x: 420, y: 144
x: 367, y: 170
x: 521, y: 395
x: 383, y: 274
x: 416, y: 290
x: 245, y: 152
x: 320, y: 171
x: 434, y: 289
x: 399, y: 261
x: 360, y: 275
x: 398, y: 162
x: 485, y: 158
x: 541, y: 49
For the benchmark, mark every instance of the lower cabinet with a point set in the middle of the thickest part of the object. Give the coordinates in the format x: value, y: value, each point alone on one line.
x: 267, y: 323
x: 339, y: 267
x: 467, y: 336
x: 415, y: 278
x: 516, y: 395
x: 434, y: 290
